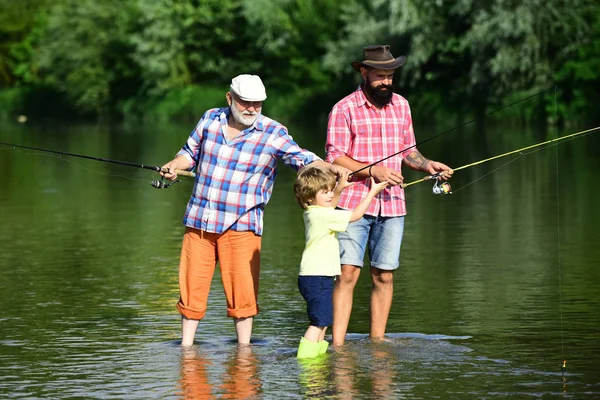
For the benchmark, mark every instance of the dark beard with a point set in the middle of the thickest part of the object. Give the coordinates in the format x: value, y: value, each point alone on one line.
x: 379, y: 96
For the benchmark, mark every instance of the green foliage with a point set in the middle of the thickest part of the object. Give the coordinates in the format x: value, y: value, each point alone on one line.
x: 189, y: 103
x: 35, y: 102
x: 361, y: 26
x: 85, y: 53
x: 186, y: 104
x: 293, y: 35
x: 11, y: 102
x: 24, y: 52
x: 580, y: 76
x: 183, y: 42
x: 475, y: 53
x: 161, y: 57
x: 16, y: 21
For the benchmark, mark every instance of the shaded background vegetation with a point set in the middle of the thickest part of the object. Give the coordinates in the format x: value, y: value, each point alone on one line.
x: 164, y: 60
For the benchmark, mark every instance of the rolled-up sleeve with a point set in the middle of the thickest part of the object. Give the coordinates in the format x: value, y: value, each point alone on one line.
x: 338, y: 134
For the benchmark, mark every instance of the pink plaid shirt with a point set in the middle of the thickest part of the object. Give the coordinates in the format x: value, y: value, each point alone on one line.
x: 363, y: 132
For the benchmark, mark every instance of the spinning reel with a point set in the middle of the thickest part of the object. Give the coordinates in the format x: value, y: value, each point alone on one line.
x: 441, y: 187
x: 162, y: 184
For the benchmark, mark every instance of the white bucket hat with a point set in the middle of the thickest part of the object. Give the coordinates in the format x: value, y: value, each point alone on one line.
x: 248, y: 88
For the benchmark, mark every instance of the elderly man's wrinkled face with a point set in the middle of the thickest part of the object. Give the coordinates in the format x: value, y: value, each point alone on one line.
x: 378, y: 85
x: 244, y: 112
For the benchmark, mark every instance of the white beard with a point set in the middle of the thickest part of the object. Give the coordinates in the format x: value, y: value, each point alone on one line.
x: 245, y: 118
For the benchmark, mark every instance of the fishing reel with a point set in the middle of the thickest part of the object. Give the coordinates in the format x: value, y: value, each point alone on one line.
x: 441, y: 187
x: 162, y: 184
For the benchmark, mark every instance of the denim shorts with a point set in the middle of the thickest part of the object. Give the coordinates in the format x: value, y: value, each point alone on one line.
x: 382, y: 234
x: 318, y: 293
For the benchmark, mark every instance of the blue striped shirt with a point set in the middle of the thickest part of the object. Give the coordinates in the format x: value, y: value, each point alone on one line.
x: 234, y: 178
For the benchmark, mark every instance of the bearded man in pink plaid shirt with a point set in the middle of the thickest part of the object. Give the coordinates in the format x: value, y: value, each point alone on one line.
x: 366, y: 126
x: 234, y: 151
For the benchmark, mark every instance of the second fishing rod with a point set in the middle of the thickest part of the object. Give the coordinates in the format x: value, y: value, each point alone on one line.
x: 450, y: 130
x: 441, y: 188
x: 369, y: 166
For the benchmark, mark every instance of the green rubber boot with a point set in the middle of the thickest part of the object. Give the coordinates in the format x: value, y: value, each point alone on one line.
x: 324, y: 345
x: 308, y: 349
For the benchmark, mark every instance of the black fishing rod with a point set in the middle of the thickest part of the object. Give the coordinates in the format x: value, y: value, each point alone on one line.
x: 157, y: 184
x: 449, y: 130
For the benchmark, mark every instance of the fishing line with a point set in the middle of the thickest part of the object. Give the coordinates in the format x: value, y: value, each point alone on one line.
x: 558, y: 254
x: 450, y: 130
x: 489, y: 173
x: 58, y: 157
x: 159, y: 184
x: 521, y: 154
x: 547, y: 143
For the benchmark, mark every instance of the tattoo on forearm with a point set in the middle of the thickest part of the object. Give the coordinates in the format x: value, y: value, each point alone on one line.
x: 415, y: 160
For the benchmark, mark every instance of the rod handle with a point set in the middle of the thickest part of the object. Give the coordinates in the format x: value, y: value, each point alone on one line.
x: 425, y: 178
x: 181, y: 172
x: 185, y: 173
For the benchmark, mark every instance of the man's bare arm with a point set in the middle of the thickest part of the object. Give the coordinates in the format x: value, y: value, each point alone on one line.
x: 416, y: 161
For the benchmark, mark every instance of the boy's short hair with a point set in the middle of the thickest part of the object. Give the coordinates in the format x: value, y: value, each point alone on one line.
x: 309, y: 182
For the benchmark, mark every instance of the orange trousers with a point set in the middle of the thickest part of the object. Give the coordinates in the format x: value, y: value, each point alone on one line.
x: 238, y: 254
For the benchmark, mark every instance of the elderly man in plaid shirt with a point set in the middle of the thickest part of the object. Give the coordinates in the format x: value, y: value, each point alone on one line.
x: 234, y: 151
x: 366, y: 126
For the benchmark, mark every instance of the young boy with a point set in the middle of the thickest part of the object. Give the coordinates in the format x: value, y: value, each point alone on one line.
x: 317, y: 193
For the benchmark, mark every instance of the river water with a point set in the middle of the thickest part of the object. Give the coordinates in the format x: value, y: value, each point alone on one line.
x: 498, y: 284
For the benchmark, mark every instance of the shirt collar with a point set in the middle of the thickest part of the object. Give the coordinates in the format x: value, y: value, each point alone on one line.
x: 314, y: 207
x: 257, y: 125
x: 361, y: 99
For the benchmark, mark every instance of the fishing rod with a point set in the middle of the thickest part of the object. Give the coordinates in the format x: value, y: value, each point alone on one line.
x: 156, y: 184
x: 444, y: 187
x: 450, y: 130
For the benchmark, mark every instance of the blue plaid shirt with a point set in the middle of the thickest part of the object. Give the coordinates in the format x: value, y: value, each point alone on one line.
x: 234, y: 178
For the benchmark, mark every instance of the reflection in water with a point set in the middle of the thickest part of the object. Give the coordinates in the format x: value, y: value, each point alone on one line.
x: 382, y: 371
x: 315, y: 376
x: 367, y: 364
x: 239, y: 381
x: 87, y: 301
x: 344, y: 367
x: 194, y: 380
